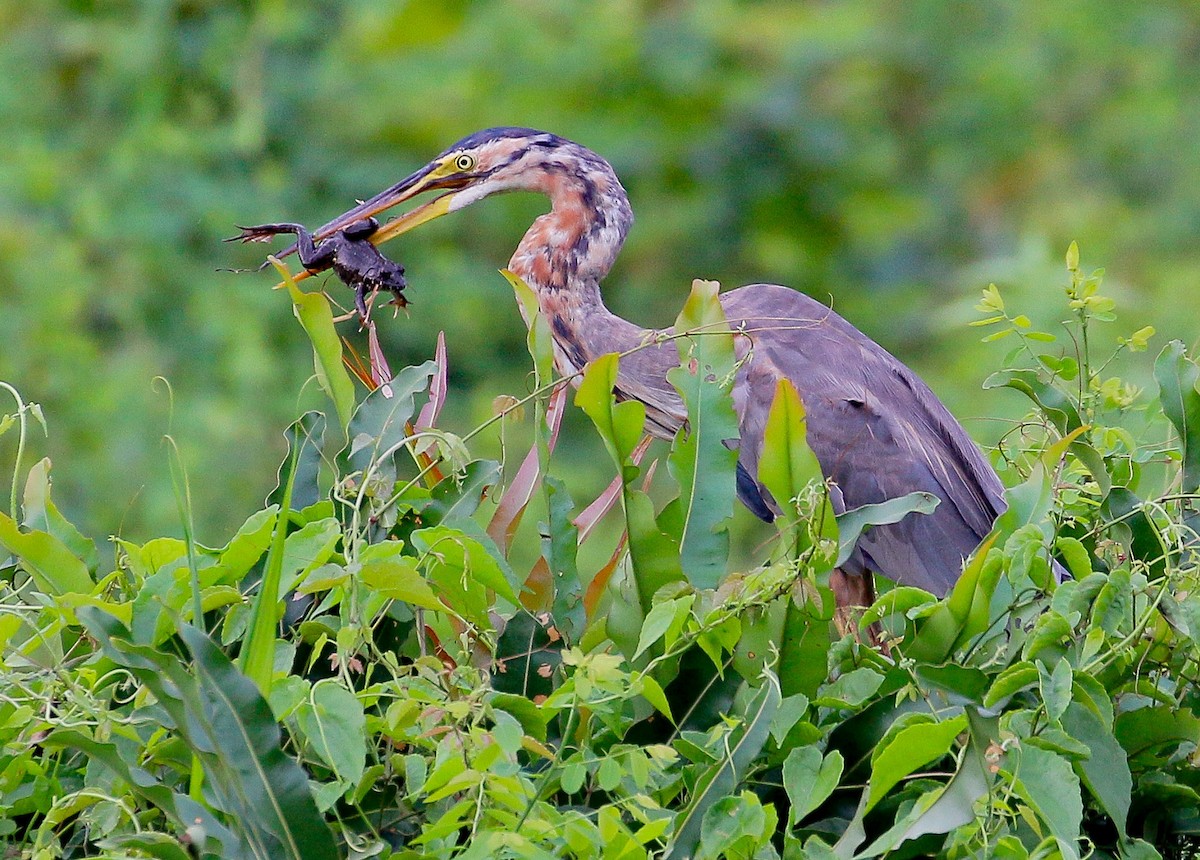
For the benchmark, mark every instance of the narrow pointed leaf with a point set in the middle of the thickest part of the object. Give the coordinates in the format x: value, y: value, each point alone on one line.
x: 701, y: 462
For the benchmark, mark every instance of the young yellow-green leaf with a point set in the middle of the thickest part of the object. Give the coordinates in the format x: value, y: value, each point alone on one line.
x: 54, y: 569
x: 787, y: 465
x: 539, y: 340
x: 910, y: 749
x: 1073, y: 256
x: 620, y: 424
x: 399, y: 579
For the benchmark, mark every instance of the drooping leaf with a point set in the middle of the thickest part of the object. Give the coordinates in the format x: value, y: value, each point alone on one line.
x: 41, y: 514
x: 910, y: 749
x: 1048, y: 784
x: 180, y: 809
x: 854, y: 522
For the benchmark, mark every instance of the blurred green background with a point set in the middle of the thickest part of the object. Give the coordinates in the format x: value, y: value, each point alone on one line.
x: 893, y: 156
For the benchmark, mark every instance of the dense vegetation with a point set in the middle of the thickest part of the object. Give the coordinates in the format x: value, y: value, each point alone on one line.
x: 892, y: 155
x: 366, y: 670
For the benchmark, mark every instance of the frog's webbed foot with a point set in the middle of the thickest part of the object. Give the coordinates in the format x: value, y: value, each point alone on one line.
x: 263, y: 232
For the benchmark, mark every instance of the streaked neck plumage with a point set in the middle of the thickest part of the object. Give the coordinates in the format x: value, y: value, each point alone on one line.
x: 565, y: 255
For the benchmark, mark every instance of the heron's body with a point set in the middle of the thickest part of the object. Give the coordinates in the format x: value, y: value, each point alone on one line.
x: 876, y: 428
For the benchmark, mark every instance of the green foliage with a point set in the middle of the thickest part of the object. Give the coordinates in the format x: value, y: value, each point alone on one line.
x: 376, y: 670
x: 892, y: 154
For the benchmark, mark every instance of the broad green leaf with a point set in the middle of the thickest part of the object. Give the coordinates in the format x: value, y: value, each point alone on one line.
x: 723, y: 777
x: 397, y: 578
x: 787, y: 465
x: 701, y: 462
x: 307, y: 549
x: 379, y: 430
x: 735, y: 826
x: 1048, y: 784
x: 809, y: 778
x: 316, y: 317
x: 54, y: 568
x: 955, y: 806
x: 334, y: 724
x: 1106, y: 771
x: 910, y: 749
x: 1014, y: 679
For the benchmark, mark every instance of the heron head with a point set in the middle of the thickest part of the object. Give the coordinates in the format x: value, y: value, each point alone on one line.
x: 486, y: 162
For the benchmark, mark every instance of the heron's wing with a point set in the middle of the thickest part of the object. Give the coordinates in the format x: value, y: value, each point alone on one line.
x: 876, y: 428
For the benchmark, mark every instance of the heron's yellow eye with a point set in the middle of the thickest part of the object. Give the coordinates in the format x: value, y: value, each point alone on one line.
x: 464, y: 162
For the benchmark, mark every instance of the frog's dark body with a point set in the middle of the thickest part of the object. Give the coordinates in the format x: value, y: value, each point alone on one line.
x: 349, y: 252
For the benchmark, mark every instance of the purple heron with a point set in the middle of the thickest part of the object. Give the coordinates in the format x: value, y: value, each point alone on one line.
x: 877, y: 430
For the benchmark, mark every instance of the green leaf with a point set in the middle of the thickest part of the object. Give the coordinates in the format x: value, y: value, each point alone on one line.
x: 397, y: 578
x: 316, y: 317
x: 54, y: 568
x: 786, y: 464
x: 41, y: 514
x: 1177, y: 376
x: 955, y: 806
x: 1014, y: 679
x: 809, y: 779
x: 701, y: 462
x: 722, y: 778
x: 559, y: 549
x: 334, y: 724
x: 229, y: 727
x: 910, y: 749
x: 378, y: 432
x: 302, y: 465
x: 620, y: 424
x: 1056, y: 688
x: 854, y: 522
x: 654, y: 552
x: 1048, y: 784
x: 661, y: 617
x: 181, y: 810
x: 1106, y: 771
x: 257, y: 657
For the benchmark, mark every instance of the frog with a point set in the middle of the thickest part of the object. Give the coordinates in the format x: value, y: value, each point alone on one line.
x: 349, y: 252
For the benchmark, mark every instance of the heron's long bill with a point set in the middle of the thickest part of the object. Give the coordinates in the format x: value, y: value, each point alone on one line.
x: 425, y: 179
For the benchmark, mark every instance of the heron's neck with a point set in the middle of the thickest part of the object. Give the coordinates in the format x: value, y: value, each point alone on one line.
x: 566, y: 252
